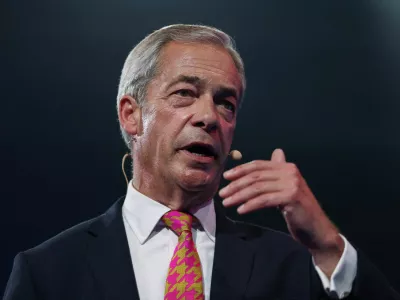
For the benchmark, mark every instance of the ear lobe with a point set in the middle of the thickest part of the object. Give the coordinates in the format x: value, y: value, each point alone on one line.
x: 129, y: 115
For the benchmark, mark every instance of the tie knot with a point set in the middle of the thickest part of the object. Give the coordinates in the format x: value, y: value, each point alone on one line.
x: 178, y: 221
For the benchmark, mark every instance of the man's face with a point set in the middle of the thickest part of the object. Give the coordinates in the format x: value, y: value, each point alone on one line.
x: 189, y: 116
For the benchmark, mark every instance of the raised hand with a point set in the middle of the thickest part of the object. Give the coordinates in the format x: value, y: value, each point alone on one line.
x: 276, y: 183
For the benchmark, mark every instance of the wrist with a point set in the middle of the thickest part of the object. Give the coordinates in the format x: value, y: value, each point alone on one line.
x: 327, y: 255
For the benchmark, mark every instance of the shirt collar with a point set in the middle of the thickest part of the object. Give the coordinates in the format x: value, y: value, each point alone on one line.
x: 206, y: 216
x: 143, y: 214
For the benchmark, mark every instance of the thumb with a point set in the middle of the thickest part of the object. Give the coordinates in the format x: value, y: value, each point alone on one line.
x: 278, y: 156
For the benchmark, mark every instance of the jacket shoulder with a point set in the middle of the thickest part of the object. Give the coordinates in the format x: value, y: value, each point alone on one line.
x: 67, y: 242
x: 76, y: 238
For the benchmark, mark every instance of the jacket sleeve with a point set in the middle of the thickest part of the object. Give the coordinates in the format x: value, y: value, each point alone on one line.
x: 369, y: 283
x: 20, y: 285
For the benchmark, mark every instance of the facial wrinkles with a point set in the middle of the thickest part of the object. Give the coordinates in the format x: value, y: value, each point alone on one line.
x: 150, y: 115
x: 222, y: 135
x: 224, y: 129
x: 205, y: 71
x: 203, y: 64
x: 160, y: 107
x: 166, y: 127
x: 222, y: 66
x: 221, y: 71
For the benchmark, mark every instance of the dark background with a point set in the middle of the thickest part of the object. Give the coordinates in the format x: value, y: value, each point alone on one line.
x: 323, y: 84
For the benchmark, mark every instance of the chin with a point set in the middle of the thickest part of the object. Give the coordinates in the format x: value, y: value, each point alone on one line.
x: 197, y: 180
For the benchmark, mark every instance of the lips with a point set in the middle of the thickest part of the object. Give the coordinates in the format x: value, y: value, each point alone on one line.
x: 201, y: 149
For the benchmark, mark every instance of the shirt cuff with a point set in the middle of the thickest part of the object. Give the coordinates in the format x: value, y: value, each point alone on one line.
x: 344, y: 274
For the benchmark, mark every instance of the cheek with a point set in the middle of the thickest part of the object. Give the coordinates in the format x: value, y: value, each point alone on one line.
x: 148, y: 117
x: 153, y: 120
x: 161, y: 126
x: 150, y: 138
x: 228, y: 130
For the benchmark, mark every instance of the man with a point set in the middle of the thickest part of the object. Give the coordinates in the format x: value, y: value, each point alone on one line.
x: 178, y: 100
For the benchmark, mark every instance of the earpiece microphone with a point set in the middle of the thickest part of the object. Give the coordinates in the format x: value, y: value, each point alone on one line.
x: 236, y: 155
x: 123, y: 167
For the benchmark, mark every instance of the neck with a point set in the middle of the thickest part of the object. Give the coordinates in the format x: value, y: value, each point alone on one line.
x: 171, y: 194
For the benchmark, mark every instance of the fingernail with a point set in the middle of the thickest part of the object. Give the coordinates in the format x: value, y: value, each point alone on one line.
x: 240, y: 209
x: 230, y: 172
x: 222, y: 191
x: 226, y: 201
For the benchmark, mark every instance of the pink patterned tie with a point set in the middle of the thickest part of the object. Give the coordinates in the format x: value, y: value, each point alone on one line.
x: 184, y: 280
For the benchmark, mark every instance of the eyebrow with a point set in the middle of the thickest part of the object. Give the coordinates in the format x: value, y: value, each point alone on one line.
x: 226, y: 92
x: 187, y: 79
x: 197, y: 81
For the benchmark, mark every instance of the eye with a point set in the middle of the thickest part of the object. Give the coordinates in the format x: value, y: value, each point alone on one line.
x: 185, y: 93
x: 227, y: 105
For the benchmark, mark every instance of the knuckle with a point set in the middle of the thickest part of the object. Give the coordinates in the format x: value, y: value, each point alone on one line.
x: 266, y: 201
x: 271, y: 197
x: 295, y: 182
x: 258, y: 187
x: 256, y: 176
x: 292, y: 192
x: 292, y: 169
x: 254, y: 165
x: 233, y: 186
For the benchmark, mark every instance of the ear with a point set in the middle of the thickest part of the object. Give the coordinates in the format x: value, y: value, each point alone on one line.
x: 129, y: 115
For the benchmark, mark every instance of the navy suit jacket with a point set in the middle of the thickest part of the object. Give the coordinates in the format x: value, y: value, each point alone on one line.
x: 92, y: 261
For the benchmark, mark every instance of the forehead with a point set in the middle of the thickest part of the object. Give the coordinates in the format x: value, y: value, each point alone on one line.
x: 206, y: 61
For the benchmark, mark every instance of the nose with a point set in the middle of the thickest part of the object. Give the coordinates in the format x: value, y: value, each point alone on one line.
x: 206, y: 116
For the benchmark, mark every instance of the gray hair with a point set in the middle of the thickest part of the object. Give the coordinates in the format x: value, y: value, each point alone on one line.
x: 141, y: 65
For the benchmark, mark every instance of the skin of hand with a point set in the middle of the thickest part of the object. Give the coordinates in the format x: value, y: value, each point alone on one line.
x: 277, y: 183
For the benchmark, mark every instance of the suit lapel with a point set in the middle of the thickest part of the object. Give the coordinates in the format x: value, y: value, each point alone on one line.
x: 233, y: 260
x: 110, y: 261
x: 109, y: 256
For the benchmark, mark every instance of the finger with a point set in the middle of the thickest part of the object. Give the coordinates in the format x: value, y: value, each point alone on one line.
x: 276, y: 199
x: 253, y: 191
x: 278, y: 156
x: 249, y: 179
x: 246, y: 168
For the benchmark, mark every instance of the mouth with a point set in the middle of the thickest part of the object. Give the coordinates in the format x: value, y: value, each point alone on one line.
x: 201, y: 151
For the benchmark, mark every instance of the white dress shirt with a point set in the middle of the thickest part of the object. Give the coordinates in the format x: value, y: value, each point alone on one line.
x: 152, y: 245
